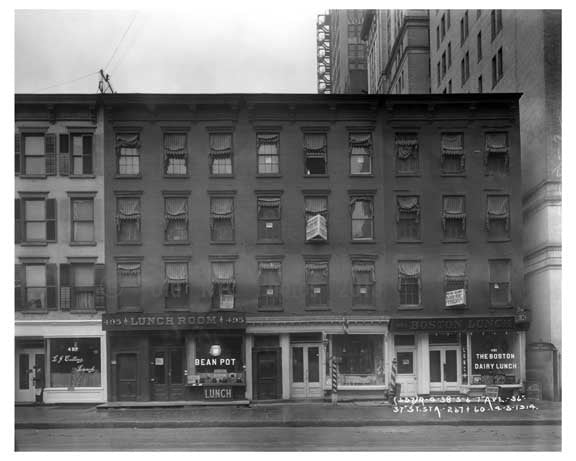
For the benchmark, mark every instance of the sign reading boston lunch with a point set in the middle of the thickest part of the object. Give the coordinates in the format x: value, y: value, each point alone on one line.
x: 173, y: 320
x: 454, y: 324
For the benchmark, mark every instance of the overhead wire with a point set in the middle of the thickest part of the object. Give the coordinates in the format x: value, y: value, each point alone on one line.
x: 121, y: 40
x: 66, y: 82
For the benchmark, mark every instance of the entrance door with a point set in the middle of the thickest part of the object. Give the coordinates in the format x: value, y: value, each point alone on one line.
x: 29, y: 374
x: 444, y: 369
x: 306, y: 371
x: 168, y: 374
x: 127, y: 377
x: 267, y: 374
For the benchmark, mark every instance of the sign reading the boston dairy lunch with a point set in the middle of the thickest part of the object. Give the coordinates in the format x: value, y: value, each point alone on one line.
x: 173, y: 320
x: 454, y: 324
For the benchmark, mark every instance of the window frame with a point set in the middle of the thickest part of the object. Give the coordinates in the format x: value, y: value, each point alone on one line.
x: 120, y: 155
x: 50, y: 204
x: 310, y: 287
x: 76, y: 289
x: 184, y: 303
x: 507, y: 220
x: 24, y: 156
x: 490, y: 155
x: 370, y: 219
x: 186, y: 219
x: 218, y: 286
x: 212, y: 156
x: 492, y: 282
x: 83, y: 155
x: 308, y: 157
x: 73, y: 221
x: 357, y: 298
x: 463, y: 235
x: 412, y: 218
x: 413, y: 139
x: 366, y: 156
x: 136, y: 241
x: 403, y: 285
x: 184, y: 153
x: 137, y: 288
x: 231, y: 219
x: 259, y: 156
x: 276, y: 221
x: 463, y: 279
x: 277, y: 304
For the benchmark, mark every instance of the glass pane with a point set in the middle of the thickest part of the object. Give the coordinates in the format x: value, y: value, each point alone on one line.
x: 159, y: 372
x: 83, y: 209
x: 435, y: 367
x: 35, y: 209
x: 451, y: 367
x: 83, y: 232
x: 313, y: 365
x: 298, y: 364
x: 76, y: 362
x: 35, y: 298
x: 360, y: 164
x: 36, y: 231
x: 405, y: 363
x: 77, y: 145
x: 83, y: 275
x: 34, y: 145
x: 35, y: 165
x: 36, y: 276
x: 176, y: 367
x: 23, y: 372
x: 222, y: 166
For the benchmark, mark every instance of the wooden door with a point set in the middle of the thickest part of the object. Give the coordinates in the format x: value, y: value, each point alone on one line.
x: 267, y: 374
x: 29, y: 374
x: 167, y: 375
x: 306, y: 371
x: 127, y: 377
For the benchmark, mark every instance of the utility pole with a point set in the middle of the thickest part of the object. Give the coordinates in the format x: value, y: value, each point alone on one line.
x: 104, y: 85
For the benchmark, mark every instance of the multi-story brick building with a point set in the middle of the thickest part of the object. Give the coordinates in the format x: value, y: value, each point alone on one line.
x: 60, y: 348
x: 253, y: 238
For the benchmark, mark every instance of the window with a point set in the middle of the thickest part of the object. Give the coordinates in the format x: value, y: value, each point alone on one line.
x: 268, y: 147
x: 438, y: 74
x: 362, y: 360
x: 408, y: 218
x: 466, y: 25
x: 495, y: 22
x: 454, y: 217
x: 81, y: 154
x: 74, y: 362
x: 176, y: 286
x: 35, y: 220
x: 316, y: 284
x: 129, y: 282
x: 479, y: 45
x: 500, y: 64
x: 500, y: 282
x: 128, y: 154
x: 270, y: 296
x: 453, y: 161
x: 437, y: 37
x: 221, y: 154
x: 175, y: 154
x: 222, y: 219
x: 223, y: 285
x: 82, y: 220
x: 362, y: 218
x: 455, y: 283
x: 128, y: 219
x: 407, y: 158
x: 316, y: 214
x: 465, y: 67
x: 496, y: 157
x: 360, y: 145
x: 443, y: 27
x: 269, y: 222
x: 38, y: 156
x: 315, y: 153
x: 462, y: 36
x: 449, y: 54
x: 450, y: 86
x: 37, y: 286
x: 480, y: 84
x: 176, y: 219
x: 498, y: 217
x: 409, y: 283
x: 82, y: 287
x: 447, y: 19
x: 363, y: 280
x: 443, y: 63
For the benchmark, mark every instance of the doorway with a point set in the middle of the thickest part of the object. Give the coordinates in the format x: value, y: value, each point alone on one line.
x: 305, y: 371
x: 167, y: 375
x: 29, y: 374
x: 127, y: 376
x: 444, y: 368
x: 267, y: 374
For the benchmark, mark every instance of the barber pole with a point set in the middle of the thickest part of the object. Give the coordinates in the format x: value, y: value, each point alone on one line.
x: 392, y: 387
x: 334, y: 380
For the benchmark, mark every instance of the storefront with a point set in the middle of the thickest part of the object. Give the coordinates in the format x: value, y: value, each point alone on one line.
x: 458, y: 355
x: 176, y: 356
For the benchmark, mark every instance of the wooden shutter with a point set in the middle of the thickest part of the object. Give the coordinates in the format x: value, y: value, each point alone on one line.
x: 64, y: 157
x: 19, y: 286
x: 50, y: 152
x: 17, y: 153
x: 87, y: 161
x: 65, y: 287
x: 17, y: 221
x: 51, y: 286
x: 51, y: 220
x: 100, y: 287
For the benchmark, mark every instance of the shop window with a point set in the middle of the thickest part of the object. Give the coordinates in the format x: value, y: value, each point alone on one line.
x: 269, y: 280
x: 269, y: 222
x: 223, y: 285
x: 37, y: 156
x: 453, y: 161
x: 82, y: 220
x: 176, y: 284
x: 315, y: 154
x: 454, y: 217
x: 407, y: 155
x: 176, y: 219
x: 498, y: 217
x: 129, y: 283
x: 363, y: 280
x: 455, y: 283
x: 74, y: 362
x: 221, y: 154
x: 496, y: 157
x: 316, y: 284
x: 362, y: 218
x: 500, y: 283
x: 175, y: 154
x: 267, y: 147
x: 362, y: 359
x: 360, y: 146
x: 409, y: 283
x: 405, y: 362
x: 128, y: 154
x: 495, y: 358
x: 35, y: 287
x: 222, y: 219
x: 35, y: 220
x: 128, y: 219
x: 226, y: 367
x: 316, y: 213
x: 408, y: 218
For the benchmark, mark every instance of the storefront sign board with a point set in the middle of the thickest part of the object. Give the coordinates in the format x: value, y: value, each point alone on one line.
x: 453, y: 324
x: 173, y: 321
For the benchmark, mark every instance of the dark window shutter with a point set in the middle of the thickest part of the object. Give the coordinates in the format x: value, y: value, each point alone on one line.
x: 87, y: 163
x: 17, y: 221
x: 50, y: 152
x: 52, y: 286
x: 64, y: 157
x: 100, y: 288
x: 19, y: 282
x: 65, y: 287
x: 51, y: 220
x: 17, y: 153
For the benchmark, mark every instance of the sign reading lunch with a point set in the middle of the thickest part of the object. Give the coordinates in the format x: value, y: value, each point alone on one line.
x: 174, y: 321
x: 494, y: 361
x: 454, y: 324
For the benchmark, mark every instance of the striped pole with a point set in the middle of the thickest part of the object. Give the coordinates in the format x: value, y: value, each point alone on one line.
x: 392, y: 386
x: 334, y: 370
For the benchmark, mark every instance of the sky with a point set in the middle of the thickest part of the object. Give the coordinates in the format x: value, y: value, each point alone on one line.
x: 205, y: 50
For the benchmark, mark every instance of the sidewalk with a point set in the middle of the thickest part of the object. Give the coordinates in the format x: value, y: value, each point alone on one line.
x: 299, y: 414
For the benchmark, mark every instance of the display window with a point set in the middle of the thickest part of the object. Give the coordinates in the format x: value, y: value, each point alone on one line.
x: 74, y: 362
x: 218, y: 360
x: 362, y: 359
x: 495, y: 359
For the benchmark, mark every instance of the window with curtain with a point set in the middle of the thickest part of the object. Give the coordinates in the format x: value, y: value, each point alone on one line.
x: 269, y: 223
x: 129, y: 282
x: 128, y: 154
x: 176, y: 285
x: 34, y: 155
x: 409, y: 283
x: 221, y: 154
x: 316, y: 215
x: 363, y: 280
x: 453, y: 160
x: 455, y: 279
x: 362, y: 216
x: 408, y: 218
x: 36, y: 286
x: 496, y: 160
x: 35, y: 220
x: 83, y: 220
x: 176, y: 219
x: 128, y: 219
x: 316, y: 284
x: 267, y: 147
x: 407, y: 153
x: 315, y: 154
x: 269, y: 285
x: 82, y: 154
x: 222, y: 219
x: 498, y: 217
x: 454, y: 217
x: 500, y: 295
x: 175, y: 154
x: 83, y: 287
x: 223, y: 285
x: 360, y: 147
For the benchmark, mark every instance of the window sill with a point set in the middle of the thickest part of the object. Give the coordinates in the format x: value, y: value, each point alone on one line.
x: 453, y: 175
x: 128, y: 243
x: 363, y: 307
x: 270, y: 242
x: 221, y: 176
x: 455, y: 241
x: 34, y: 244
x: 410, y: 307
x: 75, y: 311
x: 129, y: 309
x: 314, y: 176
x: 33, y: 176
x: 176, y: 243
x: 407, y: 175
x: 456, y: 308
x: 82, y: 176
x: 231, y: 242
x: 128, y: 176
x: 316, y: 308
x: 497, y: 308
x: 270, y: 309
x: 409, y: 241
x: 34, y: 312
x: 176, y: 176
x: 82, y: 244
x: 363, y: 241
x: 261, y: 175
x: 502, y: 240
x: 366, y: 175
x: 316, y: 242
x: 177, y: 309
x: 497, y: 174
